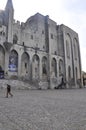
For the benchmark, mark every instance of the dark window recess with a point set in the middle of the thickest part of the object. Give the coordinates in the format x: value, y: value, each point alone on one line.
x: 55, y: 53
x: 15, y: 39
x: 3, y: 33
x: 42, y: 31
x: 51, y: 36
x: 31, y: 36
x: 43, y: 47
x: 23, y: 43
x: 44, y: 70
x: 25, y: 65
x: 0, y: 33
x: 1, y: 74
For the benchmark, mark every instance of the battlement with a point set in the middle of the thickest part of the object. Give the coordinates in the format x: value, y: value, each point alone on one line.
x: 2, y: 29
x: 16, y: 22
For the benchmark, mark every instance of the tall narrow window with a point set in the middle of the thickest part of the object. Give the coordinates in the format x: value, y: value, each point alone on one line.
x: 54, y: 67
x: 15, y: 39
x: 25, y: 65
x: 75, y: 48
x: 51, y: 36
x: 69, y: 72
x: 32, y: 37
x: 67, y: 49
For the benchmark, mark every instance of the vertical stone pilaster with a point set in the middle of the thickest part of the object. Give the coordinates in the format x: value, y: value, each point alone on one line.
x: 65, y: 57
x: 30, y: 72
x: 6, y: 61
x: 19, y: 65
x: 9, y: 14
x: 40, y: 70
x: 57, y: 71
x: 50, y: 71
x: 73, y: 57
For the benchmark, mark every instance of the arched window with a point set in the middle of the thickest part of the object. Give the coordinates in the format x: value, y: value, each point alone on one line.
x: 13, y: 61
x: 75, y: 48
x: 68, y: 45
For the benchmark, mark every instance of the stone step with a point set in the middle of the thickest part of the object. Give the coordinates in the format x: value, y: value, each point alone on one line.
x: 16, y: 84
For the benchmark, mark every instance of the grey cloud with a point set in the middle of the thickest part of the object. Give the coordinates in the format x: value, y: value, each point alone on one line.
x: 75, y: 5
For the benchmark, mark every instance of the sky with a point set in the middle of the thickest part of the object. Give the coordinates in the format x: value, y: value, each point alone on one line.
x: 72, y: 13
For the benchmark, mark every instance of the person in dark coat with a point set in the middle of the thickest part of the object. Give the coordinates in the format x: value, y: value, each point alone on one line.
x: 9, y: 91
x: 61, y: 85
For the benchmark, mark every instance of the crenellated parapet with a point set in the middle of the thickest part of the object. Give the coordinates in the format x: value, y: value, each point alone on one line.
x: 16, y: 23
x: 2, y: 34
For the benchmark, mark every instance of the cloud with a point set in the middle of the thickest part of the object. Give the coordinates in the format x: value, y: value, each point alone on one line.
x: 75, y: 5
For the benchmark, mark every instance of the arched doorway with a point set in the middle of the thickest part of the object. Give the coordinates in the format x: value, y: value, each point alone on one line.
x: 25, y: 64
x: 35, y: 67
x: 44, y: 67
x: 54, y: 67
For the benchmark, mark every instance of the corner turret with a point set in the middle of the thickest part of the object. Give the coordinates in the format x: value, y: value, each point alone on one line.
x: 9, y: 16
x: 9, y: 5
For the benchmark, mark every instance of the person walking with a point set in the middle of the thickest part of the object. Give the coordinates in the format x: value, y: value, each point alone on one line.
x: 9, y: 91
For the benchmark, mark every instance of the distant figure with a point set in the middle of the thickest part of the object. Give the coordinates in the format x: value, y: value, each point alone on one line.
x: 9, y: 91
x: 61, y: 85
x: 62, y: 81
x: 84, y: 81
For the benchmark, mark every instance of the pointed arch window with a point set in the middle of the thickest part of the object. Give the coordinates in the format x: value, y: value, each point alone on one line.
x: 75, y: 48
x: 68, y: 45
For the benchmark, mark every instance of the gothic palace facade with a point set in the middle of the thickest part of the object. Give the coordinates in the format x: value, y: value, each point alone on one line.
x: 38, y: 50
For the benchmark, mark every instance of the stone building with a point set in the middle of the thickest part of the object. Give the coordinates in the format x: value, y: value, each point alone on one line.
x: 39, y: 50
x: 84, y: 78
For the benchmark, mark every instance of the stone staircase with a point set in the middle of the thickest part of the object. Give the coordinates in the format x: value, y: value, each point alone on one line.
x: 16, y: 84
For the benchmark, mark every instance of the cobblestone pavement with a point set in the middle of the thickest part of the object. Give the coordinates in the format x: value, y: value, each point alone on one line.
x: 43, y: 110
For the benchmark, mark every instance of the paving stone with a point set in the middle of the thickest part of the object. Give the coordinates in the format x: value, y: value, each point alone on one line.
x: 43, y: 110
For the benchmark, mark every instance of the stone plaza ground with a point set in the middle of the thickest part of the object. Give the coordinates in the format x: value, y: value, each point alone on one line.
x: 43, y: 110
